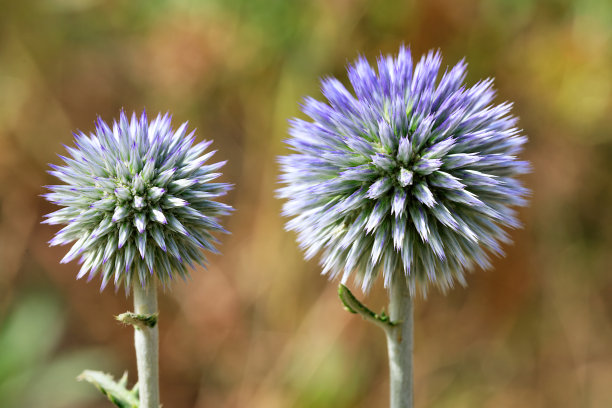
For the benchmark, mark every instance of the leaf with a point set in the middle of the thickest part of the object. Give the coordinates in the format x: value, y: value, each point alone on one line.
x: 353, y: 305
x: 116, y: 392
x: 140, y: 321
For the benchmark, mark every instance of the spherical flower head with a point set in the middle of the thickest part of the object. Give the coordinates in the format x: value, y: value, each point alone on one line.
x: 410, y: 176
x: 138, y: 200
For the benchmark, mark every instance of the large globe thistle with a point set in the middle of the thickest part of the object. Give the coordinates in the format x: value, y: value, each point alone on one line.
x: 409, y: 175
x: 138, y: 201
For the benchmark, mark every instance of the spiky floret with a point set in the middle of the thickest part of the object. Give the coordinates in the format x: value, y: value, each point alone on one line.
x: 138, y: 200
x: 409, y: 175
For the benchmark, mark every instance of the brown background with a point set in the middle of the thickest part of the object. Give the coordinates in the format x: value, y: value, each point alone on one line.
x: 261, y: 328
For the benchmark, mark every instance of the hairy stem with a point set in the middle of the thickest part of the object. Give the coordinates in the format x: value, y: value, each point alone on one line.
x: 400, y: 345
x: 146, y: 344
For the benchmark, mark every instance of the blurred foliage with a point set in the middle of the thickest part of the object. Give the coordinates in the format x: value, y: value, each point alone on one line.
x: 31, y: 373
x: 261, y: 328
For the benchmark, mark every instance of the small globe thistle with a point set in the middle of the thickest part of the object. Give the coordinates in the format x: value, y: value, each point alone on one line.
x: 409, y: 175
x: 138, y: 201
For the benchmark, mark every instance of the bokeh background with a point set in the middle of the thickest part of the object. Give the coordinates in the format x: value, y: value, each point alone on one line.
x: 261, y: 328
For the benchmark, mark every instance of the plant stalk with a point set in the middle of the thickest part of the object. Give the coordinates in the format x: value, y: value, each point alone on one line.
x: 400, y: 344
x: 146, y: 342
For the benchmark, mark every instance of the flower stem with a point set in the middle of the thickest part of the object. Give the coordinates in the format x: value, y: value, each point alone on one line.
x: 400, y: 346
x: 147, y: 346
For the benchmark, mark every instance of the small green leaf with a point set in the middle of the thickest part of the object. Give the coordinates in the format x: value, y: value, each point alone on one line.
x: 138, y: 320
x: 353, y: 305
x: 116, y: 392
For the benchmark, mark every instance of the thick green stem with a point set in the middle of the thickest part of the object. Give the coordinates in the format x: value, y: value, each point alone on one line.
x: 146, y: 343
x: 400, y: 345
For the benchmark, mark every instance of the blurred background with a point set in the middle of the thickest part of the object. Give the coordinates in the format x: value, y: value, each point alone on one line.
x: 261, y: 328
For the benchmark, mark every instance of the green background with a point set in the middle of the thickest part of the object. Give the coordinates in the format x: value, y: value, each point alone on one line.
x: 261, y: 328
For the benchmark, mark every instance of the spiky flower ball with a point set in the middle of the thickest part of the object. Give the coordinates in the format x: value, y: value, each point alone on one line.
x: 410, y: 175
x: 138, y: 201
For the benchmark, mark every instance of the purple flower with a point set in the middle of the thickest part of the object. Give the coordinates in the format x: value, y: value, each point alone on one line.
x: 138, y: 201
x: 409, y: 176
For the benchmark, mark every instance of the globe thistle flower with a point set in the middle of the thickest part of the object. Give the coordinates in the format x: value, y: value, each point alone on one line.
x: 408, y: 175
x: 138, y: 200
